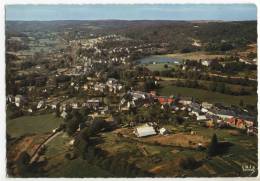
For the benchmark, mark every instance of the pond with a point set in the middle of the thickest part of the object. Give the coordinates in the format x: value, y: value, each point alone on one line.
x: 158, y: 59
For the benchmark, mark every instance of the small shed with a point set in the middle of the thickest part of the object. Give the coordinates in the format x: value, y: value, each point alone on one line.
x: 163, y: 131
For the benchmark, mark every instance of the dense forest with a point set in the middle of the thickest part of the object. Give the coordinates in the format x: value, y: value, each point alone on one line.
x: 212, y: 35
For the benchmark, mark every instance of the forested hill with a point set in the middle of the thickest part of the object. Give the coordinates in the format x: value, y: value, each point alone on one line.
x: 212, y: 35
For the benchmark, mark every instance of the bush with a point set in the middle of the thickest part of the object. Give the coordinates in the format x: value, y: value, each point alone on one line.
x: 188, y: 163
x: 16, y: 113
x: 23, y: 164
x: 67, y: 156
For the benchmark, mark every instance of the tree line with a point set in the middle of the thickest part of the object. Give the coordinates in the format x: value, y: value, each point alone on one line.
x: 213, y: 86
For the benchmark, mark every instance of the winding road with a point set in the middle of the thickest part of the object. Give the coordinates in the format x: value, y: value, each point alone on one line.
x: 35, y: 155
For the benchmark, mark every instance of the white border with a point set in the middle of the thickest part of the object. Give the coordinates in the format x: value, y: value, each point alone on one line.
x: 2, y: 70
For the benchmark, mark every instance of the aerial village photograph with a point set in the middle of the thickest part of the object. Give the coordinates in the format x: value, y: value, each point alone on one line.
x: 131, y: 90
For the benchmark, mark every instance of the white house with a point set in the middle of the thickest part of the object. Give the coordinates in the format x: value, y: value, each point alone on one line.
x: 138, y: 95
x: 53, y: 106
x: 40, y: 104
x: 111, y: 81
x: 206, y: 105
x: 144, y: 130
x: 206, y: 63
x: 64, y: 114
x: 204, y: 110
x: 19, y: 99
x: 71, y: 143
x: 30, y: 110
x: 185, y: 102
x: 74, y: 105
x: 85, y: 86
x: 10, y: 98
x: 201, y: 118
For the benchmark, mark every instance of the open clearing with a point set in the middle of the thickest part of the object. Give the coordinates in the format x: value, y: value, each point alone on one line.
x: 162, y: 148
x: 28, y: 143
x: 58, y: 166
x: 32, y: 124
x: 180, y: 139
x: 194, y: 56
x: 205, y: 95
x: 167, y: 155
x: 160, y: 66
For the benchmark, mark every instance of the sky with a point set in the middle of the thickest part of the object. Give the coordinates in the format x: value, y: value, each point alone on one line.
x: 224, y: 12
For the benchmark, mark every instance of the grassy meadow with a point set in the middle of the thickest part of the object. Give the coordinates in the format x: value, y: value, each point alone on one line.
x: 32, y: 124
x: 205, y: 95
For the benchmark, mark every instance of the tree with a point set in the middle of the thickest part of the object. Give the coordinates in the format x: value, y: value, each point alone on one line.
x: 188, y: 163
x: 212, y: 149
x: 179, y: 119
x: 84, y: 113
x: 241, y: 103
x: 149, y: 85
x: 213, y: 86
x: 221, y: 87
x: 98, y: 125
x: 72, y: 125
x: 23, y: 164
x: 57, y: 110
x: 80, y: 146
x: 165, y: 66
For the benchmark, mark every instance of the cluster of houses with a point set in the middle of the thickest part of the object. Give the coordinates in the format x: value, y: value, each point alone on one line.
x: 211, y: 115
x: 116, y: 55
x: 53, y: 104
x: 139, y: 98
x: 221, y: 117
x: 208, y: 113
x: 112, y: 85
x: 249, y: 62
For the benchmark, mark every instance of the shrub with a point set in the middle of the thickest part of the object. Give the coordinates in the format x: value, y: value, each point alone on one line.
x: 188, y: 163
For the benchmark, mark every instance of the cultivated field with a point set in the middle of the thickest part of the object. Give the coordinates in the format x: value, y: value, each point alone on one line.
x: 161, y: 154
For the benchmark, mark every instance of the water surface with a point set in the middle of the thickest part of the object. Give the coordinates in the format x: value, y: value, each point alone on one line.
x: 155, y: 59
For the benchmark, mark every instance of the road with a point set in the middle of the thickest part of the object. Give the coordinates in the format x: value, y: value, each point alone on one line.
x: 210, y: 74
x: 42, y: 145
x: 232, y: 77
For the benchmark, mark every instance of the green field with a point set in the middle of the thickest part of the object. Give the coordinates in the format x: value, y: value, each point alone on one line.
x: 195, y: 55
x: 76, y: 169
x: 242, y: 151
x: 232, y: 87
x: 205, y: 95
x: 32, y: 124
x: 58, y: 166
x: 159, y: 66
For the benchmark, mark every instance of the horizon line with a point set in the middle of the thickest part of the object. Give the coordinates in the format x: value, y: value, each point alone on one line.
x: 211, y: 20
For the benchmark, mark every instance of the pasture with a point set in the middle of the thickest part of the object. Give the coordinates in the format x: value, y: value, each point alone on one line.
x: 205, y: 95
x: 32, y: 124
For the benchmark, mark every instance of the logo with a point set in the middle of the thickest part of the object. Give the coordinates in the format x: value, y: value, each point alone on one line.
x: 249, y: 168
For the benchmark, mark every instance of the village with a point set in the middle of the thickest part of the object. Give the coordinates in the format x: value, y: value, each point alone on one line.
x: 95, y: 85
